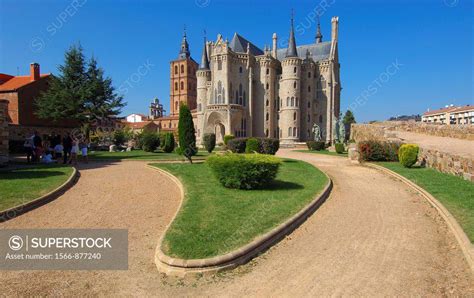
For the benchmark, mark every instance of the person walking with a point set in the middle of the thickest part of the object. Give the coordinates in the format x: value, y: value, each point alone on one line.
x: 74, y: 152
x: 37, y: 146
x: 67, y: 146
x: 84, y: 148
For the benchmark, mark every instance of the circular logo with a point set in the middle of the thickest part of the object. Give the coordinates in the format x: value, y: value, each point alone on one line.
x: 15, y: 242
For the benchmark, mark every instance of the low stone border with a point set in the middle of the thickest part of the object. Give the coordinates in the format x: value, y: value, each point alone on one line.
x: 182, y: 268
x: 52, y: 195
x: 466, y: 246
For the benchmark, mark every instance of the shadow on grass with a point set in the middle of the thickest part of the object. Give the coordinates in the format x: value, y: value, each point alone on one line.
x: 29, y: 174
x: 281, y: 185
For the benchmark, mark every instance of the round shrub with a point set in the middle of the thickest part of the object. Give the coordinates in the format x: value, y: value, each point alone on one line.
x: 209, y: 141
x: 339, y: 148
x: 227, y: 138
x: 408, y: 154
x: 269, y: 145
x: 237, y: 145
x: 252, y: 146
x: 149, y: 141
x: 244, y: 171
x: 315, y: 145
x: 169, y: 142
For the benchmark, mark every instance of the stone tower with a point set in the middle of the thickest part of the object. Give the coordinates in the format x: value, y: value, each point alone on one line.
x: 183, y: 79
x: 203, y: 78
x: 290, y: 92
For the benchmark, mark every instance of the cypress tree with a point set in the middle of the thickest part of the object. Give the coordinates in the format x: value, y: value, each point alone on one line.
x: 186, y: 133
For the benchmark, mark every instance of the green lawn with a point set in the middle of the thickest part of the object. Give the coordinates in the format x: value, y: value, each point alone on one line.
x: 23, y: 185
x: 142, y: 155
x: 215, y: 220
x: 325, y: 152
x: 455, y: 193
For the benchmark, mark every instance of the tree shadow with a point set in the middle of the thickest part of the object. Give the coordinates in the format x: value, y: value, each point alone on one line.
x: 29, y: 174
x: 280, y: 185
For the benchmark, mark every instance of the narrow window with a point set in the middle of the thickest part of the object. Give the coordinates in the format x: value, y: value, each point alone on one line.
x: 292, y: 101
x: 309, y: 104
x: 289, y: 131
x: 287, y: 101
x: 176, y: 69
x: 309, y: 88
x: 182, y: 85
x: 266, y: 133
x: 240, y: 69
x: 294, y: 70
x: 182, y: 68
x: 268, y: 71
x: 267, y: 103
x: 320, y: 118
x: 219, y: 64
x: 267, y: 86
x: 295, y: 132
x: 294, y: 116
x: 294, y: 85
x: 267, y: 117
x: 176, y: 85
x: 309, y: 74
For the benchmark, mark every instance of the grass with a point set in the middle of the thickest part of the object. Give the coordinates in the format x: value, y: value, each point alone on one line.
x: 23, y: 185
x: 142, y: 155
x: 215, y: 220
x: 455, y: 193
x: 325, y: 152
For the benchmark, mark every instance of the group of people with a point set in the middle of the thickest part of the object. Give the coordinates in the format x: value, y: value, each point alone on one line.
x: 55, y: 148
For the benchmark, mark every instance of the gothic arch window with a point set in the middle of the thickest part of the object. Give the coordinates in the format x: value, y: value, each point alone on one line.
x: 289, y: 131
x: 320, y: 118
x: 268, y: 71
x: 244, y: 99
x: 267, y: 117
x: 182, y: 68
x: 287, y: 101
x: 294, y: 85
x: 220, y: 91
x: 176, y: 84
x: 294, y: 70
x: 267, y: 86
x: 176, y: 69
x: 176, y: 106
x: 294, y: 116
x: 240, y: 69
x: 292, y: 101
x: 219, y: 64
x: 295, y: 132
x: 267, y: 103
x: 182, y: 85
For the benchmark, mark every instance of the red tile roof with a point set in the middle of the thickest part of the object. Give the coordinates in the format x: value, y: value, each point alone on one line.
x: 439, y: 111
x: 139, y: 125
x: 464, y: 109
x: 17, y: 82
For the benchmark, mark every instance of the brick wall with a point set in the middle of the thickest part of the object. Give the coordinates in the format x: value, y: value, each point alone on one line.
x: 3, y: 132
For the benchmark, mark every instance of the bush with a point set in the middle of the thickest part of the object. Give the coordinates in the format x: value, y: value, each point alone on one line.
x: 149, y: 141
x: 315, y: 145
x: 168, y: 142
x: 408, y: 155
x: 378, y: 151
x: 119, y: 137
x: 339, y: 148
x: 237, y: 145
x: 209, y: 141
x: 227, y: 138
x: 269, y: 145
x: 244, y: 171
x: 252, y: 146
x: 186, y: 132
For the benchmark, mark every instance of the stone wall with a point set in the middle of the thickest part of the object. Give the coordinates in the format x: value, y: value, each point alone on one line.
x: 3, y: 132
x: 442, y: 161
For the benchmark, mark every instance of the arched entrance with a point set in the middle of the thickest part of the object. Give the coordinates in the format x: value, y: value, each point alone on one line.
x: 219, y: 130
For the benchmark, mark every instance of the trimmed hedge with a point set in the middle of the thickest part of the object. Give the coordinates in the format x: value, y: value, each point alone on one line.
x: 227, y: 138
x: 244, y: 171
x: 339, y: 148
x: 169, y: 142
x: 378, y: 151
x: 265, y: 145
x: 209, y: 141
x: 149, y: 141
x: 408, y: 154
x: 316, y: 145
x: 252, y: 145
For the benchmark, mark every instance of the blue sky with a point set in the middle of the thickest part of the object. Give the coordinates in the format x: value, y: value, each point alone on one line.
x: 397, y: 57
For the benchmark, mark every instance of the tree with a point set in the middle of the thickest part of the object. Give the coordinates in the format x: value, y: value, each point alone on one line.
x: 348, y: 118
x: 186, y: 133
x: 209, y: 141
x: 79, y: 92
x: 168, y: 142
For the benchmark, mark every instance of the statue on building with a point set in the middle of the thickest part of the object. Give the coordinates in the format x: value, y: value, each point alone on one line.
x: 317, y: 132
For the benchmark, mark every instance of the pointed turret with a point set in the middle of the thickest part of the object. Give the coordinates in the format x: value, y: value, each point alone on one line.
x: 291, y: 51
x: 184, y: 51
x: 204, y: 60
x: 319, y: 36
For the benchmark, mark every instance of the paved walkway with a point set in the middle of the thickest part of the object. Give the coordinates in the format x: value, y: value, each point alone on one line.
x: 459, y: 147
x: 372, y: 237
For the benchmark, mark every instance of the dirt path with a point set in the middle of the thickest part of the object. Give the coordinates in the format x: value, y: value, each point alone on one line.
x: 372, y: 237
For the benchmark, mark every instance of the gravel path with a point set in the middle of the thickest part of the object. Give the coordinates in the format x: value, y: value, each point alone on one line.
x: 372, y: 237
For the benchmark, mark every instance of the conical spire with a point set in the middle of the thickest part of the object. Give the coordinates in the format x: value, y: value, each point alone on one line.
x: 291, y: 51
x: 204, y: 61
x: 184, y: 52
x: 319, y: 36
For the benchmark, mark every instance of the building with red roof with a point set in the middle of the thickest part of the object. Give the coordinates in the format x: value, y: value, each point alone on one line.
x: 450, y: 115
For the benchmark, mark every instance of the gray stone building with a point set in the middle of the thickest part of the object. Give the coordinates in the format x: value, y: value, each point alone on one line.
x: 280, y: 93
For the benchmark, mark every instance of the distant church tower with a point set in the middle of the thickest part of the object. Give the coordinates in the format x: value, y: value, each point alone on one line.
x: 183, y: 79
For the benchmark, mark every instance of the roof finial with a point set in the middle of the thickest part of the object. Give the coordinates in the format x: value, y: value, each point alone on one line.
x: 184, y: 30
x: 319, y: 36
x: 184, y: 51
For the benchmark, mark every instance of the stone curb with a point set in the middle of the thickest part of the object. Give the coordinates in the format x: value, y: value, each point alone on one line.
x: 466, y: 246
x: 52, y: 195
x: 182, y: 268
x: 145, y: 160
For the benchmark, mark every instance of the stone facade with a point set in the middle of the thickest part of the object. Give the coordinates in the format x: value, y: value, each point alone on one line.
x: 3, y: 132
x: 280, y: 93
x: 448, y: 163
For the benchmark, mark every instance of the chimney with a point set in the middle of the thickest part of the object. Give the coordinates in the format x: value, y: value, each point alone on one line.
x: 34, y: 71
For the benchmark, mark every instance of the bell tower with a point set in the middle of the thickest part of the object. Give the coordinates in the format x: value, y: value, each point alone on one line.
x: 183, y: 80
